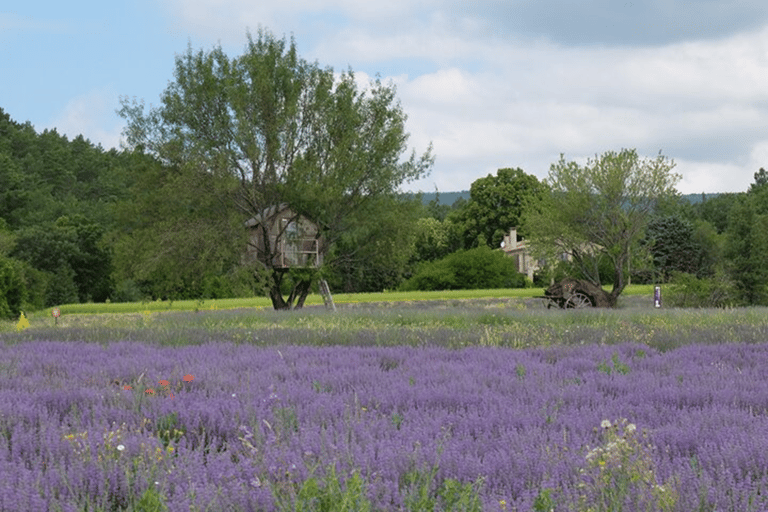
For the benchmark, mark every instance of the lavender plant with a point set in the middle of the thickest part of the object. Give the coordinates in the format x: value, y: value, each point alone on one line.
x: 519, y: 421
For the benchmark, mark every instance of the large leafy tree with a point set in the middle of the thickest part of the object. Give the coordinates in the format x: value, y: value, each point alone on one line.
x: 746, y: 245
x: 285, y: 132
x: 600, y: 211
x: 496, y: 205
x: 177, y: 231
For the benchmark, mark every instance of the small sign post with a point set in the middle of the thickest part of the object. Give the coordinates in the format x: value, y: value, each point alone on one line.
x: 657, y: 296
x: 56, y: 314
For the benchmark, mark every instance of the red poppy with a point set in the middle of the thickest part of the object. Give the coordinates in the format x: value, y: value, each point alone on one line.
x: 164, y: 382
x: 150, y: 391
x: 127, y: 387
x: 189, y: 378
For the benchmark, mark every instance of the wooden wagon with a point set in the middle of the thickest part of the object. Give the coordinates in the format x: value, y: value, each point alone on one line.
x: 572, y: 293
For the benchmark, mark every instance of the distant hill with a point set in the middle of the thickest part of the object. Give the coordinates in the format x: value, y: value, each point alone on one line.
x: 696, y: 198
x: 448, y: 198
x: 445, y: 198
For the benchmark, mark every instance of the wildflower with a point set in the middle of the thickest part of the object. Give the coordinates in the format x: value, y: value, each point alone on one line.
x: 150, y: 391
x: 630, y: 428
x: 164, y: 383
x: 120, y: 447
x: 127, y: 387
x: 188, y: 378
x: 605, y: 424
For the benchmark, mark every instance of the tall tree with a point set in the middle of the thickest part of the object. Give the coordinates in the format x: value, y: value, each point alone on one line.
x: 746, y: 247
x: 601, y: 210
x: 287, y: 132
x: 496, y: 205
x: 673, y: 246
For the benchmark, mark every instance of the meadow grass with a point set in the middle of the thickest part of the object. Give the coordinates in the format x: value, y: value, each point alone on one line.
x: 447, y: 319
x: 313, y: 300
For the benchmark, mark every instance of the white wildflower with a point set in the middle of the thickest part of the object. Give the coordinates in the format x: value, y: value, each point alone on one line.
x: 120, y: 447
x: 605, y: 424
x: 630, y: 428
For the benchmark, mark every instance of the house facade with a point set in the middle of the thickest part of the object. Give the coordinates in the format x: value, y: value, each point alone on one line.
x: 294, y: 240
x: 519, y: 251
x: 526, y: 264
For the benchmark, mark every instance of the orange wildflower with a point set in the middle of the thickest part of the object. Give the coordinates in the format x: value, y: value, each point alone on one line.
x: 150, y: 391
x: 189, y: 378
x: 127, y: 387
x: 164, y: 382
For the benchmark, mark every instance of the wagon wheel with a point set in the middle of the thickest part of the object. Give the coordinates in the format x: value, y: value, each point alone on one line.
x: 578, y: 300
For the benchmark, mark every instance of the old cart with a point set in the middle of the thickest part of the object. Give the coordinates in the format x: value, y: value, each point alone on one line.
x: 575, y: 293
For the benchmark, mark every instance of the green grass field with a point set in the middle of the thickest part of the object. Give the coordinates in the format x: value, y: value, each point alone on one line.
x: 501, y: 318
x: 314, y: 299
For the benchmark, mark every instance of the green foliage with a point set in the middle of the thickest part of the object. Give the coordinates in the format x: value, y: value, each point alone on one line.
x: 332, y: 497
x: 716, y: 210
x: 127, y: 291
x: 12, y: 288
x: 620, y: 474
x: 544, y: 501
x: 72, y: 251
x: 421, y: 492
x: 375, y: 252
x: 57, y: 201
x: 434, y: 239
x: 151, y: 501
x: 479, y: 268
x: 273, y: 129
x: 672, y: 246
x: 496, y: 204
x: 689, y: 291
x: 165, y: 429
x: 746, y: 247
x: 602, y: 208
x: 181, y: 236
x: 616, y: 366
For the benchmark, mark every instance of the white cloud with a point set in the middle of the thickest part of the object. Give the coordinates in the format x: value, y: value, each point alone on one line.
x: 490, y: 95
x: 91, y: 115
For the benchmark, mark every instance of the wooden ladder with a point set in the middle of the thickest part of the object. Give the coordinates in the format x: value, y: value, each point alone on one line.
x: 326, y: 293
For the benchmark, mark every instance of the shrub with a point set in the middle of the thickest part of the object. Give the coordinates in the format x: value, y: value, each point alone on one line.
x: 12, y: 289
x: 689, y: 291
x: 127, y: 291
x: 479, y: 268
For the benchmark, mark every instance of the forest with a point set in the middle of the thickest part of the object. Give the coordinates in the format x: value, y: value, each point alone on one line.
x: 79, y: 223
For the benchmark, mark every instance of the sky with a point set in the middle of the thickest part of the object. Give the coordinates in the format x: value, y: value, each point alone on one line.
x: 490, y: 83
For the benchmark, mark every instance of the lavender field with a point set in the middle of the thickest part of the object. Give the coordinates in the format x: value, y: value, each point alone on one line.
x: 313, y: 411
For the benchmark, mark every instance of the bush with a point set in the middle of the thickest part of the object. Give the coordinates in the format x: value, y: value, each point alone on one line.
x: 127, y: 291
x: 689, y: 291
x: 12, y: 289
x: 479, y: 268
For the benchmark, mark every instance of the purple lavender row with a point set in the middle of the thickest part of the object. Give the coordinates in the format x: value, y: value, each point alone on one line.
x: 255, y: 421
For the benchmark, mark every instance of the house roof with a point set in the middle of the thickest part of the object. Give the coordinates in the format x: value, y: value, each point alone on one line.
x: 268, y: 213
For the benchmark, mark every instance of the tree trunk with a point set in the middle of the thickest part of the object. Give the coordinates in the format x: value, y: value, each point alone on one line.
x: 298, y: 294
x: 302, y: 290
x: 274, y: 291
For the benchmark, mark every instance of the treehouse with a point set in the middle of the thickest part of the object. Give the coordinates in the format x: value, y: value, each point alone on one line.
x: 294, y: 241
